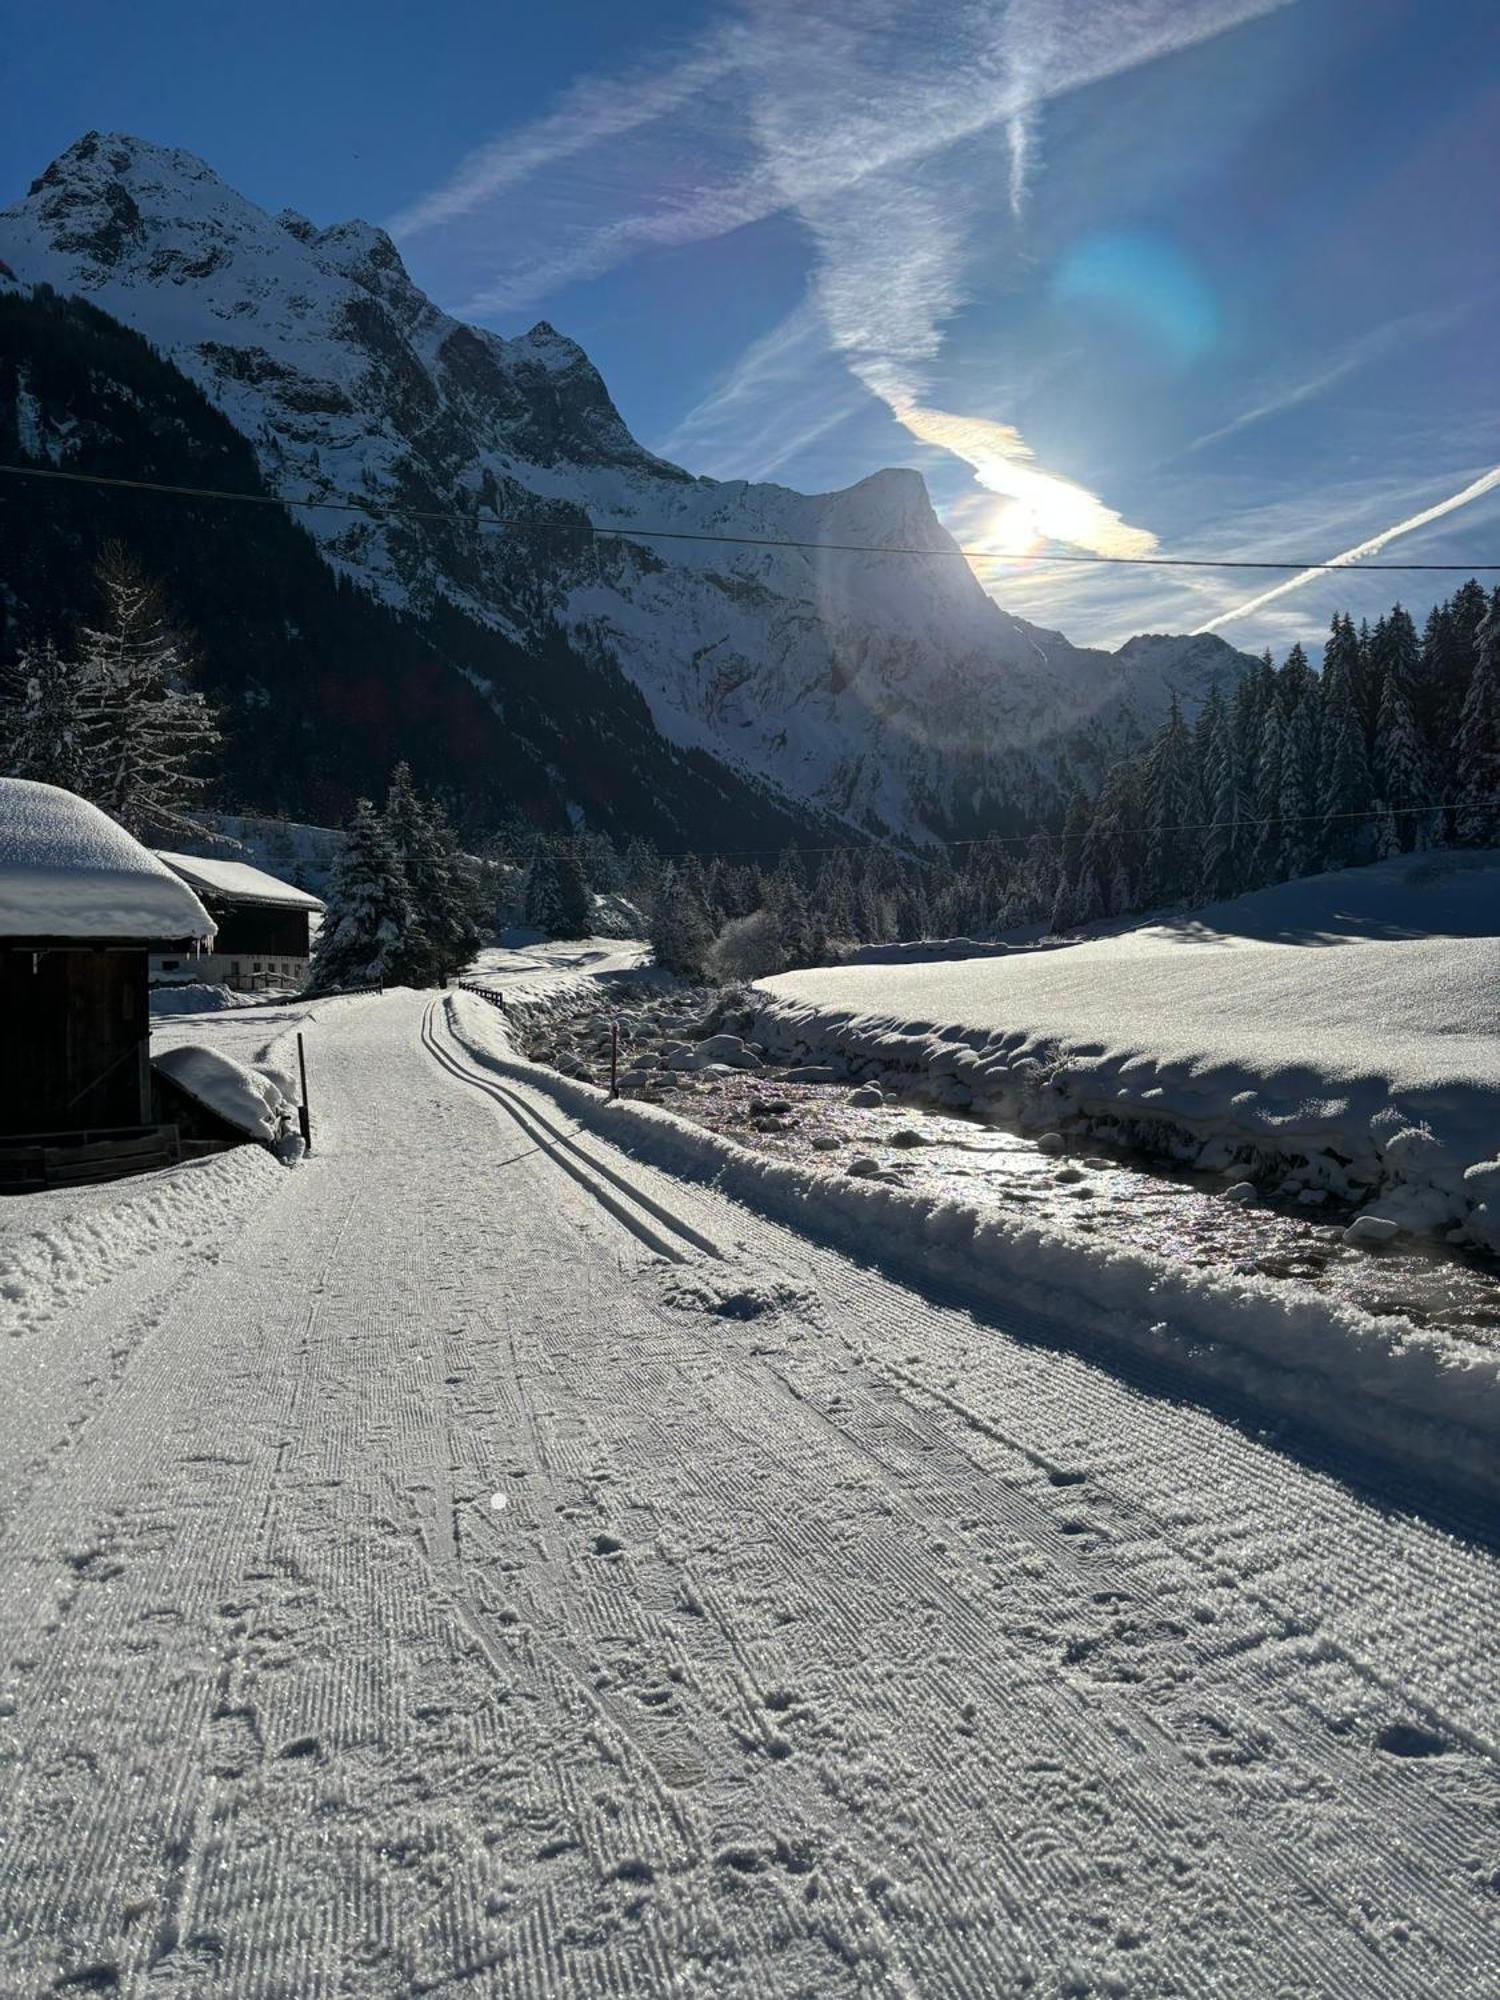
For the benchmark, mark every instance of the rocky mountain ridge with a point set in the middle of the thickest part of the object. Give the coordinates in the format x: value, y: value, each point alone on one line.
x: 887, y: 689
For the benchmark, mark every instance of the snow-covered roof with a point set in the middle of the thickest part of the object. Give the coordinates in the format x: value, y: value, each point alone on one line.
x: 68, y: 871
x: 237, y: 881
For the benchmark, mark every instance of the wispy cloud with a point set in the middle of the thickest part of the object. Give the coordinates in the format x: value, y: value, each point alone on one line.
x: 594, y: 110
x: 1367, y: 348
x: 876, y: 128
x: 1487, y: 482
x: 788, y: 371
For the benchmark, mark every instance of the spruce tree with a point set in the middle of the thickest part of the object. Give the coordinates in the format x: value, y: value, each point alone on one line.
x: 1399, y: 652
x: 1401, y: 771
x: 1173, y: 806
x: 1114, y: 848
x: 44, y: 731
x: 1221, y: 857
x: 558, y: 903
x: 681, y: 933
x: 367, y: 927
x: 1074, y: 833
x: 1266, y: 864
x: 1300, y: 833
x: 446, y: 930
x: 148, y: 736
x: 1344, y: 773
x: 1476, y: 749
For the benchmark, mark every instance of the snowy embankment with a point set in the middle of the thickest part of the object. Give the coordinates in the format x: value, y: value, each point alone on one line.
x: 62, y: 1244
x: 1341, y: 1032
x: 58, y: 1246
x: 1415, y: 1398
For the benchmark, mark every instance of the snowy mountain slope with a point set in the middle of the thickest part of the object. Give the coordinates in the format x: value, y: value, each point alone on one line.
x: 322, y: 686
x: 888, y: 689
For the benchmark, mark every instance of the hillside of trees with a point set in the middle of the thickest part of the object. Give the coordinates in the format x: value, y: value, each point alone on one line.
x: 1393, y: 746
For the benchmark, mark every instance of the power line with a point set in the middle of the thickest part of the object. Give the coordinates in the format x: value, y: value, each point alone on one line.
x: 628, y: 531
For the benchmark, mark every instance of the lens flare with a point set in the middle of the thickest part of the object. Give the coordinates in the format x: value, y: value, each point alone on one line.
x: 1145, y: 287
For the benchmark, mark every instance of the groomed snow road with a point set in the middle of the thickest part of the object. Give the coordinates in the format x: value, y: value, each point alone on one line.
x: 478, y: 1562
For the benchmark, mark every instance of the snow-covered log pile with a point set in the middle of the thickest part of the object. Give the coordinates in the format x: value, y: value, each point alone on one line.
x: 1414, y: 1397
x: 1340, y: 1034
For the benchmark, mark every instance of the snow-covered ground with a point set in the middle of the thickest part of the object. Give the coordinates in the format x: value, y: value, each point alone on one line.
x: 485, y: 1561
x: 1345, y: 1028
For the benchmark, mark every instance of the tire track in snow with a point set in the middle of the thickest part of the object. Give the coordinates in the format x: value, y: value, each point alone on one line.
x: 597, y: 1177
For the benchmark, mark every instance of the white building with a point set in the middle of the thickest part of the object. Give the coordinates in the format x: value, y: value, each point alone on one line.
x: 264, y: 940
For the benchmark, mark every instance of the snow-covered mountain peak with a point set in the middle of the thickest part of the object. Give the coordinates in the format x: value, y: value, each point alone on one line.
x: 887, y: 688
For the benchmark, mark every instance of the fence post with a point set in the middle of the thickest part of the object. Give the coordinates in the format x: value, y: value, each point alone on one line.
x: 614, y: 1058
x: 304, y: 1120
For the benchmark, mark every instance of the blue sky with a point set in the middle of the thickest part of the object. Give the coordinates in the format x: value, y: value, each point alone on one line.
x: 1170, y: 276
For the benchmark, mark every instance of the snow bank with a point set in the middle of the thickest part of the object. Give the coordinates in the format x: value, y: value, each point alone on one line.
x: 59, y: 1246
x: 250, y: 1100
x: 193, y: 996
x: 67, y: 871
x: 1346, y: 1027
x: 1413, y: 1397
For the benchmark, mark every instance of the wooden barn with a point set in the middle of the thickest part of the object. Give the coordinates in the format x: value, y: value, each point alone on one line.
x: 264, y: 941
x: 82, y: 907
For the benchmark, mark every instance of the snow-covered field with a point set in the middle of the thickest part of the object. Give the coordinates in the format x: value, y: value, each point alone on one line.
x: 1345, y: 1028
x: 486, y: 1560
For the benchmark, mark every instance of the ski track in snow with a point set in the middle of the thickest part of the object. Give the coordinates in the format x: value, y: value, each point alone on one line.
x: 831, y: 1640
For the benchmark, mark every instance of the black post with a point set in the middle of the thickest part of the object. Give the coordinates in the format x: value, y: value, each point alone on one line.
x: 614, y: 1058
x: 303, y: 1118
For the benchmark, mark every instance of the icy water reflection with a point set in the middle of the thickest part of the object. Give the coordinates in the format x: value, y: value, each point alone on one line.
x: 1171, y: 1213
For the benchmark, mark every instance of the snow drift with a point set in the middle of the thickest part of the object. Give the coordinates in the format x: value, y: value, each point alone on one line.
x: 248, y: 1099
x: 1344, y: 1028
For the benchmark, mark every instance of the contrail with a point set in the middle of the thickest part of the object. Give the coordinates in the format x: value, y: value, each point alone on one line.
x: 1486, y: 483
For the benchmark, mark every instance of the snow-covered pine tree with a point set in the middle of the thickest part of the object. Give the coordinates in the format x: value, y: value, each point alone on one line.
x: 642, y: 871
x: 1430, y: 684
x: 1266, y: 781
x: 43, y: 720
x: 366, y: 934
x: 149, y: 737
x: 1301, y: 833
x: 1114, y: 848
x: 1221, y: 856
x: 1344, y: 770
x: 681, y: 932
x: 1476, y: 748
x: 1401, y: 771
x: 446, y: 930
x: 1397, y: 651
x: 558, y: 902
x: 1074, y: 834
x: 836, y: 896
x: 1468, y: 609
x: 1173, y: 808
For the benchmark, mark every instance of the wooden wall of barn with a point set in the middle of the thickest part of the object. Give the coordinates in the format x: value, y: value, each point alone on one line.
x: 74, y: 1033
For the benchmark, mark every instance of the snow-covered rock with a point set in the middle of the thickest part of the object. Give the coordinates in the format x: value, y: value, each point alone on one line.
x: 919, y: 703
x: 1365, y: 1230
